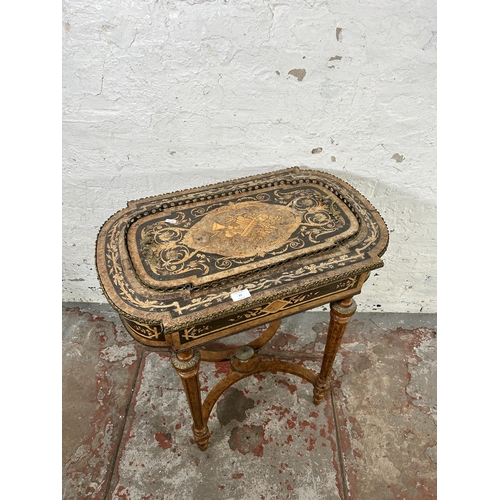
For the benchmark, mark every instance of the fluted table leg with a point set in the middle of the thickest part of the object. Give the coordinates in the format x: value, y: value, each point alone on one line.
x: 187, y: 364
x: 340, y: 315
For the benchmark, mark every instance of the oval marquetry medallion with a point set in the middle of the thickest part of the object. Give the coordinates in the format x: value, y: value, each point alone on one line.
x: 243, y: 230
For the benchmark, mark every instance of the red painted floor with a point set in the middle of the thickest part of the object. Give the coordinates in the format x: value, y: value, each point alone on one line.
x: 127, y: 427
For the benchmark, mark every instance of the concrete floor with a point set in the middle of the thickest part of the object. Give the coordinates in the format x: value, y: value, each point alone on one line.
x: 127, y: 426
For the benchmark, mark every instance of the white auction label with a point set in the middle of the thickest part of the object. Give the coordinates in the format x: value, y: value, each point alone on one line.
x: 171, y: 221
x: 242, y: 294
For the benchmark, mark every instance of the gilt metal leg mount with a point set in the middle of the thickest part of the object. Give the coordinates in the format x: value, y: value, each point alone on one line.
x: 245, y: 362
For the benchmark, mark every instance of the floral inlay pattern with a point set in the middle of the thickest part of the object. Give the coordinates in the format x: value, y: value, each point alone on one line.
x: 218, y: 237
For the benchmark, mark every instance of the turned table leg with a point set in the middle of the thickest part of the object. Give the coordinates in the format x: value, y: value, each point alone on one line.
x: 187, y: 365
x: 340, y: 314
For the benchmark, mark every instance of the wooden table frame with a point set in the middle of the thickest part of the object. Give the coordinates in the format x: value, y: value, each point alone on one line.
x: 292, y: 240
x: 187, y: 365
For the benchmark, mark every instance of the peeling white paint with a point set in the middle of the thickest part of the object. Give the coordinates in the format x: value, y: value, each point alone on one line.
x: 210, y: 81
x: 125, y: 353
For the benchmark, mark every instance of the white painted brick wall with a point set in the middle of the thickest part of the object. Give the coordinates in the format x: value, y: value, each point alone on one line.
x: 160, y: 96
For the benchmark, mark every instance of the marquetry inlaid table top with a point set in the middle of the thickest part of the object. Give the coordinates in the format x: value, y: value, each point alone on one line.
x: 289, y: 240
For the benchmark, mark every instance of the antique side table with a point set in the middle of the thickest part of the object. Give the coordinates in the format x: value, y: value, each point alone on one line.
x: 187, y: 268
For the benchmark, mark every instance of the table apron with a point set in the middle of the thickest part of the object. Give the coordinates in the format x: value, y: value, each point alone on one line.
x: 268, y: 312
